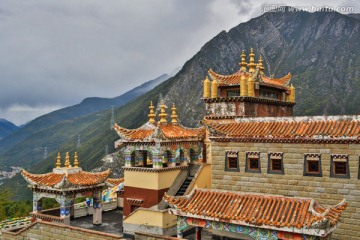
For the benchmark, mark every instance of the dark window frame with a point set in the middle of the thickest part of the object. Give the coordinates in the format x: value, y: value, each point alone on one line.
x: 232, y: 154
x: 233, y: 93
x: 275, y: 156
x: 309, y: 157
x: 344, y: 158
x: 269, y: 94
x: 247, y: 163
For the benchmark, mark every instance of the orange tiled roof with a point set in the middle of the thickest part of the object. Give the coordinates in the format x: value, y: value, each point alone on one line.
x: 134, y: 133
x: 277, y: 81
x: 173, y: 131
x: 255, y: 209
x: 79, y: 178
x: 114, y: 181
x: 170, y: 131
x: 234, y: 79
x: 340, y: 127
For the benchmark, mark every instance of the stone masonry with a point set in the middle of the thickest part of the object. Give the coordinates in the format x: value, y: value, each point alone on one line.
x: 325, y: 190
x: 48, y: 231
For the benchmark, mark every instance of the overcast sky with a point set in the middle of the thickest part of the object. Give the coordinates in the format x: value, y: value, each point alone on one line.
x: 55, y: 53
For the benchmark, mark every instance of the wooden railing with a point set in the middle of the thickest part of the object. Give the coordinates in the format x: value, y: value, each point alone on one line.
x: 47, y: 218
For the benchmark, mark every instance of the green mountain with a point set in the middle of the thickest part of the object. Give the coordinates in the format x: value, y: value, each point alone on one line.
x: 320, y: 49
x: 87, y: 106
x: 6, y: 128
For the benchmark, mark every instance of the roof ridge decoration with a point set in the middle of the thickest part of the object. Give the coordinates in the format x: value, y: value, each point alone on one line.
x: 306, y: 218
x: 174, y: 115
x: 162, y: 114
x: 58, y: 161
x: 151, y: 114
x: 256, y: 70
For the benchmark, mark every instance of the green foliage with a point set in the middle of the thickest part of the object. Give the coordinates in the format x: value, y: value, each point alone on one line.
x: 11, y: 209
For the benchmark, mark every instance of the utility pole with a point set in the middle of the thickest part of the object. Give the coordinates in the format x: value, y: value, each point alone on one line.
x: 106, y: 150
x: 112, y: 120
x: 159, y: 102
x: 78, y: 145
x: 45, y: 152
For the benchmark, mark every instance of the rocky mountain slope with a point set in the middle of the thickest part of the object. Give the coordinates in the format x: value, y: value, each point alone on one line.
x: 320, y: 49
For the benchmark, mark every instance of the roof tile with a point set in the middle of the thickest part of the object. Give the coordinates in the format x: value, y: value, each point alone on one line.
x: 256, y: 209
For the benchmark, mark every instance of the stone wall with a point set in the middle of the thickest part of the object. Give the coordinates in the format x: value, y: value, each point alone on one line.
x: 46, y: 231
x: 325, y: 190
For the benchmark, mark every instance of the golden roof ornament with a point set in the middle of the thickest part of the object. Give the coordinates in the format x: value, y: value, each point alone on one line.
x: 207, y: 87
x: 174, y: 116
x: 152, y: 114
x: 67, y: 160
x: 243, y: 63
x: 261, y: 67
x: 76, y: 162
x: 58, y: 162
x: 252, y: 61
x: 162, y: 114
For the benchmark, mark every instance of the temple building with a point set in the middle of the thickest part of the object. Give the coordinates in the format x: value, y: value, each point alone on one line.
x: 248, y: 93
x: 65, y: 184
x: 160, y: 156
x: 273, y: 176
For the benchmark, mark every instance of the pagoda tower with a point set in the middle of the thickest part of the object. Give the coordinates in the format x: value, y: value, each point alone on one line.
x: 247, y: 93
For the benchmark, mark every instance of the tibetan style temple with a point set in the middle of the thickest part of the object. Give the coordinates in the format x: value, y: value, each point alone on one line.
x: 273, y: 176
x: 160, y: 157
x: 65, y: 184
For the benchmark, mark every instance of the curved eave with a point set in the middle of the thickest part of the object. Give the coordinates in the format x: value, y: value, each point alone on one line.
x: 58, y: 181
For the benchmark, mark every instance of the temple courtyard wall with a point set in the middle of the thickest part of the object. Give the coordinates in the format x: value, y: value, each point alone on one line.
x: 324, y: 189
x: 47, y: 231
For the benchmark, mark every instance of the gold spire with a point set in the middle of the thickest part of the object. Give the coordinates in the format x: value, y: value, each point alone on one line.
x: 214, y: 89
x: 261, y: 67
x: 207, y: 86
x: 76, y: 162
x: 243, y: 63
x: 174, y: 116
x: 67, y: 160
x: 243, y: 87
x: 162, y: 114
x: 252, y: 61
x: 251, y: 87
x: 58, y: 162
x: 152, y: 114
x: 292, y: 94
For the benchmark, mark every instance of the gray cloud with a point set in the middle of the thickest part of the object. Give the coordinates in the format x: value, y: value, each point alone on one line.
x: 55, y: 53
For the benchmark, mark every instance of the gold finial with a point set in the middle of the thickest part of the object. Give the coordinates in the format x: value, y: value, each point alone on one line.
x: 67, y: 160
x: 207, y: 87
x: 76, y: 162
x: 173, y: 114
x: 252, y: 61
x: 162, y: 114
x: 58, y: 162
x: 261, y: 67
x: 152, y: 114
x: 243, y: 63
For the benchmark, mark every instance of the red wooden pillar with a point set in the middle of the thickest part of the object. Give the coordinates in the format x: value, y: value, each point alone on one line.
x: 198, y: 233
